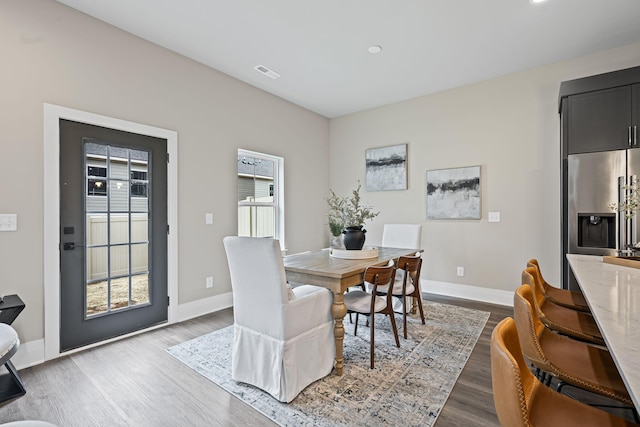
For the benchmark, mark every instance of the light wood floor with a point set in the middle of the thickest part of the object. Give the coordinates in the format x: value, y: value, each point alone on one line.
x: 134, y: 382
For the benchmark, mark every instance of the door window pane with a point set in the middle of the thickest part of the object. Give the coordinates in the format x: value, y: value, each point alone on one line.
x: 96, y: 229
x: 118, y: 196
x: 97, y: 264
x: 120, y: 292
x: 119, y: 228
x: 118, y: 260
x: 116, y: 228
x: 139, y: 228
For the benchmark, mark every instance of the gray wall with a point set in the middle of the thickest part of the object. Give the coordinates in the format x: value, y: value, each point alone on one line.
x: 54, y: 54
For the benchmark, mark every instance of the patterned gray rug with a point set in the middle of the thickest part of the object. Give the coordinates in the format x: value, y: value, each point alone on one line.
x: 409, y: 385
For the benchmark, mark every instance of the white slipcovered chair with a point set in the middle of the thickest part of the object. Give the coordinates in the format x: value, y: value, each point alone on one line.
x: 283, y: 337
x: 407, y: 236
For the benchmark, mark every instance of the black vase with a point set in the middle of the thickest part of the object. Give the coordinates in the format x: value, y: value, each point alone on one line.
x: 353, y: 238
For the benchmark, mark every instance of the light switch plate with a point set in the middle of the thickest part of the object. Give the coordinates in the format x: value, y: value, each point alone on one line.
x: 208, y: 218
x: 494, y: 216
x: 8, y: 222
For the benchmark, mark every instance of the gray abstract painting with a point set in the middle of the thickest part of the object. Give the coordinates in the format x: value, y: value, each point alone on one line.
x: 386, y: 168
x: 454, y: 193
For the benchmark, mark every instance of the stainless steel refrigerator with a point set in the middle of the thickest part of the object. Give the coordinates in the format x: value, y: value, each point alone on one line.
x: 594, y: 181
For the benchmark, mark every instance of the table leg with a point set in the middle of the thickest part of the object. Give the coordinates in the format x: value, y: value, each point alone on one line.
x: 338, y: 311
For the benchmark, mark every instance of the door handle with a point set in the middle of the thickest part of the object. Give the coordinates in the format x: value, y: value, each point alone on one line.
x: 69, y: 246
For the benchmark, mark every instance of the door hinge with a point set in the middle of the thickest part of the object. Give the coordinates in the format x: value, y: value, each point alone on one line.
x: 167, y: 228
x: 167, y: 157
x: 168, y: 300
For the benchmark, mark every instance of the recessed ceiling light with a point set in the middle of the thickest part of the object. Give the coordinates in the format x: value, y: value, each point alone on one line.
x: 375, y: 49
x: 267, y: 72
x: 536, y: 1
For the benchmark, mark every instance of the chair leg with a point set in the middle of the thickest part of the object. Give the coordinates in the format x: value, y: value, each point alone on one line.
x: 373, y: 325
x: 419, y: 298
x: 355, y: 329
x: 404, y: 317
x: 395, y: 330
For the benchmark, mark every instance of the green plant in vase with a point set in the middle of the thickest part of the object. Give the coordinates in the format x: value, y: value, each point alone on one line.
x: 351, y: 214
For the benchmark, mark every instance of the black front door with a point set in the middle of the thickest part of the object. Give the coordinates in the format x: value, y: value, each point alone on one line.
x: 113, y: 233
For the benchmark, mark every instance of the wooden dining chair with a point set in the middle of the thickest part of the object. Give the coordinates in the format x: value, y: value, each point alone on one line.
x: 407, y: 286
x: 368, y: 304
x: 522, y: 401
x: 564, y: 297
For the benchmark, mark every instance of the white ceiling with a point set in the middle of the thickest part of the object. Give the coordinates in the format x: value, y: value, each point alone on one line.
x: 320, y: 47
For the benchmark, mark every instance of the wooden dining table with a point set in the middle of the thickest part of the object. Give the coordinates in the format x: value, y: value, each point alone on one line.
x: 336, y: 274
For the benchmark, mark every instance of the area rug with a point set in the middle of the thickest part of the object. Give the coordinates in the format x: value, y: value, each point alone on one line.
x: 409, y: 385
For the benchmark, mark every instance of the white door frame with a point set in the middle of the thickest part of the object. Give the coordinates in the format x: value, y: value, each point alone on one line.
x: 52, y: 116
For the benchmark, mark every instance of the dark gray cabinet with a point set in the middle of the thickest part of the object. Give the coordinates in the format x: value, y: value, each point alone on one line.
x: 601, y: 120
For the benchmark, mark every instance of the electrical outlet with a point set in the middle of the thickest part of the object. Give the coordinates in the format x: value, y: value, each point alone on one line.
x: 494, y: 216
x: 460, y: 271
x: 8, y: 222
x: 209, y: 282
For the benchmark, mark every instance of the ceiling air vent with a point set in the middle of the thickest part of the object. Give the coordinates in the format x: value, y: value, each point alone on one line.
x: 267, y: 72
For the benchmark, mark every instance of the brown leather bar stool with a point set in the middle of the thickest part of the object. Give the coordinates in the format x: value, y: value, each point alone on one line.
x: 569, y: 322
x: 521, y: 400
x: 577, y: 363
x: 564, y: 297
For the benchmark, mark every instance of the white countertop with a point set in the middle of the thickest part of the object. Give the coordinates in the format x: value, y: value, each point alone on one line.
x: 613, y: 295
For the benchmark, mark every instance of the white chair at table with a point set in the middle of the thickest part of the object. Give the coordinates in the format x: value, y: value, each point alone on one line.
x: 283, y: 337
x: 401, y: 236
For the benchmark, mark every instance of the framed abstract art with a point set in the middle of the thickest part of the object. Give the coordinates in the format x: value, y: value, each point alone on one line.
x: 386, y: 168
x: 454, y: 193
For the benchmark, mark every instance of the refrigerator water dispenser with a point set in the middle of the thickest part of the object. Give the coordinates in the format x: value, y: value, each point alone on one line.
x: 597, y: 230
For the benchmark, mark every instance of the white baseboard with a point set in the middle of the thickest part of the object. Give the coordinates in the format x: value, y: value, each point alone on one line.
x: 32, y: 353
x: 29, y: 354
x: 476, y: 293
x: 204, y: 306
